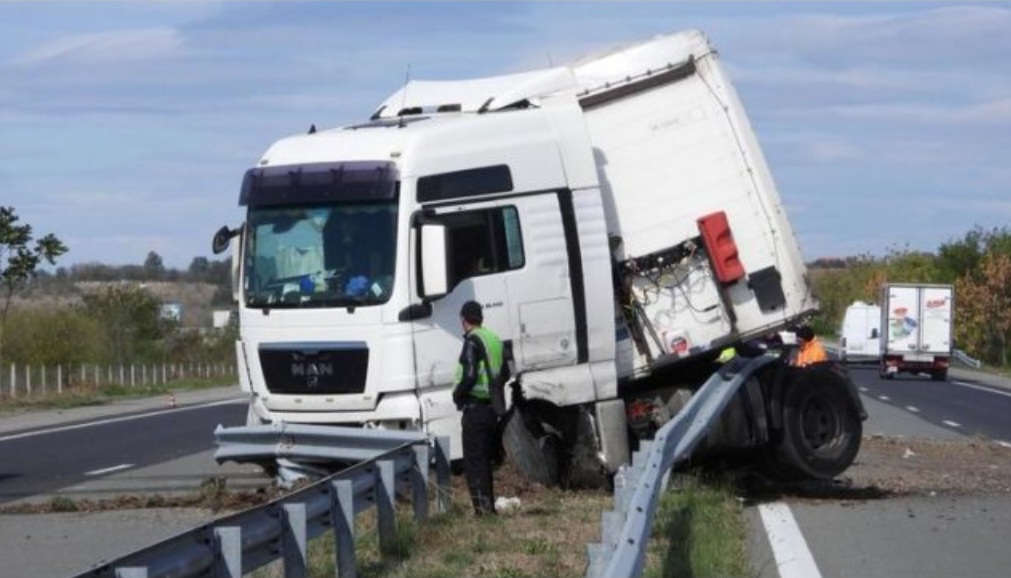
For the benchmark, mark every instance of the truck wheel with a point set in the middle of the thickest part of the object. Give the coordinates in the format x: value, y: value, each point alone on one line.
x: 821, y: 428
x: 535, y: 453
x: 939, y: 375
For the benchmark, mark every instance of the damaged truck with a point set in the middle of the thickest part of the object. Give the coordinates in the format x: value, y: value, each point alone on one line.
x: 614, y: 216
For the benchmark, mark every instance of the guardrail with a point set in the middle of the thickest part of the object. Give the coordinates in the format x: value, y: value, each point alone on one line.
x: 965, y: 359
x: 237, y: 544
x: 626, y: 529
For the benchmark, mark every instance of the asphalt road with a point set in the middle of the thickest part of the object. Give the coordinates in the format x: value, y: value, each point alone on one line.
x: 917, y: 536
x: 969, y: 406
x: 46, y: 459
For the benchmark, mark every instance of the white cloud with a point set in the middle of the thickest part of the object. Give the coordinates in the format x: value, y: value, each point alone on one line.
x: 105, y: 47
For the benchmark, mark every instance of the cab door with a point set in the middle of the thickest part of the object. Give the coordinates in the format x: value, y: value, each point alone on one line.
x: 510, y: 256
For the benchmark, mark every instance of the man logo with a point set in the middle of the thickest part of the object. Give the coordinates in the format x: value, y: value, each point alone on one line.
x: 312, y: 371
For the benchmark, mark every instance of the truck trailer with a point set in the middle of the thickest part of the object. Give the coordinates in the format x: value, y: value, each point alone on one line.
x: 917, y: 321
x: 615, y: 217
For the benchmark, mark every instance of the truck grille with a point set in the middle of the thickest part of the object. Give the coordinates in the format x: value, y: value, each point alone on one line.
x: 314, y: 370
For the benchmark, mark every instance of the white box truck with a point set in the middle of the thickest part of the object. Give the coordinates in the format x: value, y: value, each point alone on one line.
x: 860, y: 335
x: 615, y: 217
x: 917, y: 323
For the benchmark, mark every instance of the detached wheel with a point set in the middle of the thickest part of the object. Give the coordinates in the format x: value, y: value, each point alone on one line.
x: 821, y: 427
x: 535, y: 452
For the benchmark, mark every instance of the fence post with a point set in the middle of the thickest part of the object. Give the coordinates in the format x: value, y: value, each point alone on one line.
x: 98, y: 379
x: 43, y: 380
x: 13, y: 382
x: 28, y: 380
x: 133, y: 375
x: 59, y: 379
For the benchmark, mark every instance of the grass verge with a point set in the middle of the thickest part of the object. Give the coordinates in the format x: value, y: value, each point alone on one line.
x: 90, y: 395
x: 698, y: 531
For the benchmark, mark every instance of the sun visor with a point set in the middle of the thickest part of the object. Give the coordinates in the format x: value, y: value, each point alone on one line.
x: 482, y: 94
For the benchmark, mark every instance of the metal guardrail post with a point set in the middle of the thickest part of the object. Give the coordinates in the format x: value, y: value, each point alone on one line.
x: 444, y: 497
x: 419, y: 483
x: 342, y: 518
x: 384, y: 495
x: 294, y: 541
x: 228, y: 543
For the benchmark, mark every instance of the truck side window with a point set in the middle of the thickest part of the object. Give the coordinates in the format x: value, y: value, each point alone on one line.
x: 483, y: 242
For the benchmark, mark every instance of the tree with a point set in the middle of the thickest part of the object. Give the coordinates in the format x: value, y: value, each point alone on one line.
x: 199, y: 268
x: 131, y: 319
x: 154, y: 268
x: 19, y: 260
x: 983, y: 309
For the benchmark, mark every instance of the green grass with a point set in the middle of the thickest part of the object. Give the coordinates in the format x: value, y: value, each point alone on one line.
x: 90, y: 395
x: 699, y: 531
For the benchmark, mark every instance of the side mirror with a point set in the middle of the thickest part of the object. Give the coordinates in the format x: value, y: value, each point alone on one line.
x: 221, y: 239
x: 434, y: 272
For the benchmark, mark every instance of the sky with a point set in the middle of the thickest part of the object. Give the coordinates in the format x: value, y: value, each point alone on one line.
x: 126, y: 127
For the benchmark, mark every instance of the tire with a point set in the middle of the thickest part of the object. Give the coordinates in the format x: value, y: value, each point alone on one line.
x: 939, y: 375
x: 536, y: 453
x: 821, y: 427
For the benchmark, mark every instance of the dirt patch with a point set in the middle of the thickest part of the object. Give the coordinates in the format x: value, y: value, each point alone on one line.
x: 922, y: 466
x: 899, y: 466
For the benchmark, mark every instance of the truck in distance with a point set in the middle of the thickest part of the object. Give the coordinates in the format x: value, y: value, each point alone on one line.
x: 917, y: 326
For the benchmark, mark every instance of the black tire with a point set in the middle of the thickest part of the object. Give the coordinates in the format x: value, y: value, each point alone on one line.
x: 535, y: 453
x: 822, y: 428
x: 939, y: 375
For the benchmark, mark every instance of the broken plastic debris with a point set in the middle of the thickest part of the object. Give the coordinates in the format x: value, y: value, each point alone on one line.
x: 503, y: 505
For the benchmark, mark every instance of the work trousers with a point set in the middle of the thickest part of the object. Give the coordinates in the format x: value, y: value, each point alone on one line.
x: 480, y: 425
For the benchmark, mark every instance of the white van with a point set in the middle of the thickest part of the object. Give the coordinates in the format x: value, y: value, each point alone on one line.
x: 861, y: 333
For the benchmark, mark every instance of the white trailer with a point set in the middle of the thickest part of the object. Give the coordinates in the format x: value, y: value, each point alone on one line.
x: 615, y: 217
x: 917, y: 323
x: 860, y: 335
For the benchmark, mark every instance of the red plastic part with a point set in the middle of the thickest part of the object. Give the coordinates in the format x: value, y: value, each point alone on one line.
x: 719, y: 242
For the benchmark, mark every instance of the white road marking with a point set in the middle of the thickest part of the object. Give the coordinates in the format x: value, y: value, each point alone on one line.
x: 116, y: 419
x: 108, y: 470
x: 884, y: 398
x: 981, y: 388
x: 913, y: 408
x: 793, y: 559
x: 864, y: 389
x: 950, y: 423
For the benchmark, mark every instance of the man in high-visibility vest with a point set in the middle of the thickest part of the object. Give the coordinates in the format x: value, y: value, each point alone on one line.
x: 480, y: 362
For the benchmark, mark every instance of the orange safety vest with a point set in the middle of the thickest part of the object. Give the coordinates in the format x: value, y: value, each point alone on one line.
x: 810, y: 352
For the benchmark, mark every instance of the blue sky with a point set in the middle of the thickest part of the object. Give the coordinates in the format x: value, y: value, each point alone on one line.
x: 126, y: 127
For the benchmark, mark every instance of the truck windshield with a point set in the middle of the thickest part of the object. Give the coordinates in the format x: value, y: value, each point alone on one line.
x: 320, y: 255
